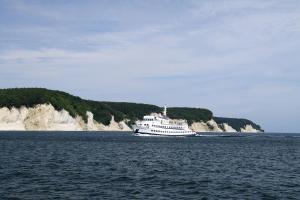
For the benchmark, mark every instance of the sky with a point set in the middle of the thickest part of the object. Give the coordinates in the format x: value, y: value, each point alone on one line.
x: 237, y: 58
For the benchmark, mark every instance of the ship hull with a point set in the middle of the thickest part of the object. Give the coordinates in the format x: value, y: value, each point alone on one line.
x: 145, y: 132
x: 167, y: 135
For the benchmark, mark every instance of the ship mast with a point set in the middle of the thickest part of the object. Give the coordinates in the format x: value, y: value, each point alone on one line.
x: 165, y: 111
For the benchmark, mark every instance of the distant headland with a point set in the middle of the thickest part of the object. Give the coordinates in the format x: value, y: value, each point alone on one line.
x: 45, y: 110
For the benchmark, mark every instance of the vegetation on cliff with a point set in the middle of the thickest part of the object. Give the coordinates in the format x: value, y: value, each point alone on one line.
x: 102, y: 110
x: 237, y: 124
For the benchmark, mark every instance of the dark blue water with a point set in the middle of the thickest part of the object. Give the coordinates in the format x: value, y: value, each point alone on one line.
x: 62, y: 165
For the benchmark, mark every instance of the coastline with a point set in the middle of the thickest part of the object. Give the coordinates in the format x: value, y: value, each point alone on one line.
x: 44, y: 117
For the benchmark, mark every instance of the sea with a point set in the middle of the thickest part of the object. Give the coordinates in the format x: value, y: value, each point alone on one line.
x: 114, y: 165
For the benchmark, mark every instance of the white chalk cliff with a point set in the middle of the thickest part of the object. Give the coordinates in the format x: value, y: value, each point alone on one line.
x: 44, y: 117
x: 212, y: 126
x: 249, y: 129
x: 228, y: 128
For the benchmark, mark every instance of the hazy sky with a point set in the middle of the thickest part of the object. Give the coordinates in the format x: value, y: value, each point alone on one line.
x: 237, y: 58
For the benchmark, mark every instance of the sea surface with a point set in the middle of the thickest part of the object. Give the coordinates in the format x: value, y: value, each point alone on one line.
x: 98, y: 165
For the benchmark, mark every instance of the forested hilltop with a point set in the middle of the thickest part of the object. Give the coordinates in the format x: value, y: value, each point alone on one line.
x: 102, y: 110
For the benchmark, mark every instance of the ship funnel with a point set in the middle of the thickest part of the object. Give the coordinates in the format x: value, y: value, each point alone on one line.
x: 165, y: 111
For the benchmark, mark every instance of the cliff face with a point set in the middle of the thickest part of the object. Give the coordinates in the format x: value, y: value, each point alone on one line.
x: 45, y: 117
x: 239, y: 125
x: 212, y: 126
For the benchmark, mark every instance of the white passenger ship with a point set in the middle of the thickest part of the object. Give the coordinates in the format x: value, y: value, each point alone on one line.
x: 161, y: 125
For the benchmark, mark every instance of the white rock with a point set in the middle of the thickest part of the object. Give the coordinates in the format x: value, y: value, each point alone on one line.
x: 249, y: 129
x: 45, y: 117
x: 228, y: 128
x: 214, y: 126
x: 209, y: 126
x: 200, y: 127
